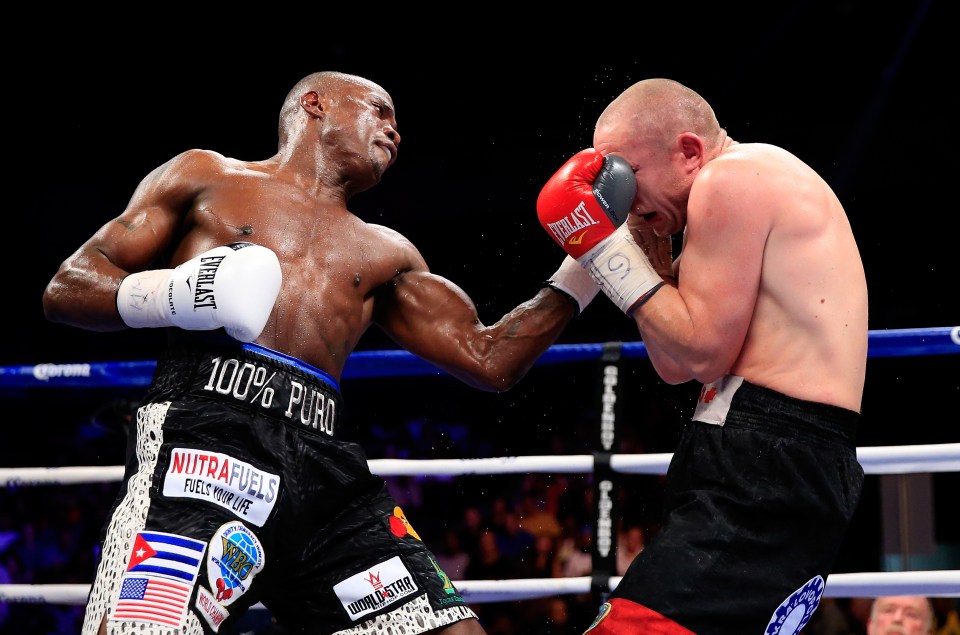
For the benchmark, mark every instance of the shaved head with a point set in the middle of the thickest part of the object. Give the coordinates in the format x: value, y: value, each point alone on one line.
x: 323, y: 83
x: 657, y: 110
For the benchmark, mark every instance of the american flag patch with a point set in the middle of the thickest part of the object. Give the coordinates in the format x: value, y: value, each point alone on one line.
x: 152, y: 599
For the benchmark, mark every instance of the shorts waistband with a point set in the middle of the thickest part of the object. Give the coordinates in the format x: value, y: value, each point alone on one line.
x: 762, y: 408
x: 254, y: 378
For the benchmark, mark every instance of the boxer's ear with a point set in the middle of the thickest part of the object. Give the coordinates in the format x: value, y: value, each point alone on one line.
x: 313, y: 103
x: 690, y: 151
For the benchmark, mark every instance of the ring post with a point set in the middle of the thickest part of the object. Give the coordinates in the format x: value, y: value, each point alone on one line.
x: 605, y: 480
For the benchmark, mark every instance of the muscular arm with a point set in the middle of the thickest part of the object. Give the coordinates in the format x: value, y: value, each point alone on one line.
x: 696, y: 329
x: 434, y: 319
x: 83, y: 291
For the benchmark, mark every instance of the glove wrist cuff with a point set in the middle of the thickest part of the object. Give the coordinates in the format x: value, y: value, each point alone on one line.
x: 140, y: 299
x: 622, y: 270
x: 572, y: 281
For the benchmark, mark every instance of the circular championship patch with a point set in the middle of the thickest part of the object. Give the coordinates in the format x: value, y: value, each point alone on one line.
x: 234, y: 558
x: 794, y: 612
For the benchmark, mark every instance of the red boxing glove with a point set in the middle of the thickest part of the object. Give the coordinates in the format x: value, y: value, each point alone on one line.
x: 586, y: 200
x: 583, y: 207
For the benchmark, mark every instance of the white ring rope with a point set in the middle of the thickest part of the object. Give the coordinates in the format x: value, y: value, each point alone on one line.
x: 908, y: 459
x: 838, y: 585
x: 875, y: 460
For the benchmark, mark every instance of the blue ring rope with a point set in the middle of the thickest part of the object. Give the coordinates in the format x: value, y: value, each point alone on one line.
x: 943, y: 340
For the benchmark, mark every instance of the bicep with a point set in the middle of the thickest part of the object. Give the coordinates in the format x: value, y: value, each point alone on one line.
x: 426, y: 314
x: 719, y: 277
x: 130, y: 242
x: 83, y: 290
x: 140, y: 234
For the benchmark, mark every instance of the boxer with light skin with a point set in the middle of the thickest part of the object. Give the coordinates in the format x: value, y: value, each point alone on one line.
x: 266, y: 281
x: 766, y: 306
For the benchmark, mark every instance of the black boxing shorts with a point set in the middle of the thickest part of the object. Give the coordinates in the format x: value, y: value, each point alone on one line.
x: 759, y: 494
x: 238, y: 490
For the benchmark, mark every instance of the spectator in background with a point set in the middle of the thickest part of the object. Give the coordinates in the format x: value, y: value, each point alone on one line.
x: 544, y: 556
x: 498, y: 618
x: 577, y: 559
x: 5, y: 578
x: 488, y: 563
x: 535, y: 519
x: 946, y: 613
x: 451, y: 556
x: 515, y: 543
x: 629, y: 545
x: 471, y: 529
x: 553, y: 618
x: 901, y: 615
x: 837, y: 617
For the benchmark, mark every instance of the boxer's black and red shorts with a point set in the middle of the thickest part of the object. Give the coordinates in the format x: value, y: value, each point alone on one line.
x: 756, y: 510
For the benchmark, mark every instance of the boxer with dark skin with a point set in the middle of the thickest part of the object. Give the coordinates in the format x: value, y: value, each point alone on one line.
x: 340, y: 275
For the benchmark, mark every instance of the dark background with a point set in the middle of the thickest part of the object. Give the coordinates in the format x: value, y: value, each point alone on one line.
x: 864, y: 92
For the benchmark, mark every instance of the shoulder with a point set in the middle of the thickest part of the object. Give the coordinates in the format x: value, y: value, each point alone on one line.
x: 388, y: 236
x: 739, y: 164
x: 739, y: 188
x: 191, y: 171
x: 390, y: 241
x: 748, y: 174
x: 388, y: 233
x: 198, y: 161
x: 751, y: 165
x: 188, y: 166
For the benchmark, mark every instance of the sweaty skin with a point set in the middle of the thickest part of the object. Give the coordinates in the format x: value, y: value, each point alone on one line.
x: 769, y: 282
x: 338, y: 135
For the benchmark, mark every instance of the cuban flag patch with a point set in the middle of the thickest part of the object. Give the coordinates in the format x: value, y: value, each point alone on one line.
x: 794, y: 612
x: 159, y: 579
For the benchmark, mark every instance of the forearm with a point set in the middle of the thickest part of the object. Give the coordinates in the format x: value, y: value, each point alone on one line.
x: 83, y: 297
x: 233, y: 287
x: 502, y: 354
x: 436, y: 321
x: 678, y: 350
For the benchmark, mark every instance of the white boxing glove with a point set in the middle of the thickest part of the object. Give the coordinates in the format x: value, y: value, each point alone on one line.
x: 232, y: 286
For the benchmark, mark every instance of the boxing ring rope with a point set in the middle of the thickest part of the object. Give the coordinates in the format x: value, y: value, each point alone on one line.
x: 875, y: 460
x: 909, y: 459
x: 943, y: 340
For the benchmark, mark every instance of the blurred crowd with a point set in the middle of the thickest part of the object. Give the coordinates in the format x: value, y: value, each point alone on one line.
x: 481, y: 527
